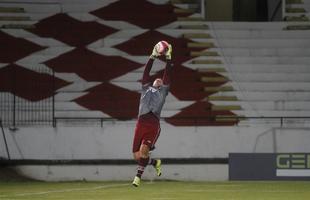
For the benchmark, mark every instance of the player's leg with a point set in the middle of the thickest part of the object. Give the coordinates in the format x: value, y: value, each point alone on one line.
x: 143, y: 159
x: 149, y: 134
x: 136, y: 156
x: 149, y: 139
x: 137, y: 140
x: 136, y: 149
x: 156, y: 163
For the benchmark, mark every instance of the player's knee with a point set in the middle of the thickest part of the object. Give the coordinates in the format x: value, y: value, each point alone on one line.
x: 136, y: 156
x: 144, y: 151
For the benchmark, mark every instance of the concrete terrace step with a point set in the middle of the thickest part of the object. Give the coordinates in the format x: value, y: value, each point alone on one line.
x: 272, y: 113
x: 295, y: 10
x: 255, y: 43
x: 38, y: 8
x: 33, y: 16
x: 187, y: 5
x: 78, y: 113
x: 220, y: 79
x: 298, y: 27
x: 78, y: 86
x: 267, y: 77
x: 270, y: 86
x: 209, y: 69
x: 184, y: 11
x: 28, y: 22
x: 262, y: 51
x: 294, y: 2
x: 301, y: 60
x: 68, y: 106
x: 267, y: 105
x: 265, y: 95
x: 234, y: 34
x: 204, y: 53
x: 183, y: 1
x: 196, y: 35
x: 196, y: 19
x: 234, y: 26
x: 193, y: 26
x: 219, y: 89
x: 263, y: 26
x: 221, y: 98
x: 258, y: 77
x: 211, y: 61
x: 14, y: 18
x: 297, y: 15
x: 200, y: 44
x: 302, y: 122
x: 229, y: 118
x: 255, y: 68
x: 7, y: 9
x: 68, y: 96
x: 296, y: 18
x: 56, y: 6
x: 17, y: 26
x: 259, y: 34
x: 225, y: 107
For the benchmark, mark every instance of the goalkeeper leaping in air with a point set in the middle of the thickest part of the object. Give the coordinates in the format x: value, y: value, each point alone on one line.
x: 151, y: 103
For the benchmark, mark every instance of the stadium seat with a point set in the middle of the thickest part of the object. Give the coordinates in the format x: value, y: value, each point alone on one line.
x: 222, y: 69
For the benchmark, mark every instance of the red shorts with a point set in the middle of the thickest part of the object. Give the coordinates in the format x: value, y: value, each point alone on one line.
x: 146, y: 132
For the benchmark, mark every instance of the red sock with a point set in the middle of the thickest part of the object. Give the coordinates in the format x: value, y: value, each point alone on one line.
x: 142, y: 164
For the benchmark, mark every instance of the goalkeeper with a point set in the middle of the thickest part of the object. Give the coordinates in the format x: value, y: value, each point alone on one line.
x: 151, y: 103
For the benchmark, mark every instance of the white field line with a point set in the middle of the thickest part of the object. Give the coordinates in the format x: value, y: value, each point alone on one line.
x: 228, y: 185
x: 65, y: 190
x: 217, y: 185
x: 241, y: 190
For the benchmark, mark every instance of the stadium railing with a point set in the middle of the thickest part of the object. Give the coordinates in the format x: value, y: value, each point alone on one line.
x: 5, y: 141
x: 28, y: 97
x: 277, y: 121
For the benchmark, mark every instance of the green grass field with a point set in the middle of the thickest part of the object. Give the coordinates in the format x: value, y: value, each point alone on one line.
x: 161, y: 190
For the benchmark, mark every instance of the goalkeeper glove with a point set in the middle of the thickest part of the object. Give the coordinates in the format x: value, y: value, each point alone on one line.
x: 169, y: 52
x: 154, y: 54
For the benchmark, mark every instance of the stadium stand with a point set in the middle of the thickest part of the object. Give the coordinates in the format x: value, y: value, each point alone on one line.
x: 224, y: 72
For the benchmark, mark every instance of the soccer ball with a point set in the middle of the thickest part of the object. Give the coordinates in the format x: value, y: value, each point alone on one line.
x: 162, y: 47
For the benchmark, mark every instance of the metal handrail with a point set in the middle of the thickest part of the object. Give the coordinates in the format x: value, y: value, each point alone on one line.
x: 5, y: 141
x: 203, y: 8
x: 197, y: 118
x: 283, y: 9
x: 275, y: 11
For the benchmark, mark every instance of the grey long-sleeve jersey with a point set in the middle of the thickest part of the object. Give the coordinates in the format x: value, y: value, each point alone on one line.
x: 152, y: 99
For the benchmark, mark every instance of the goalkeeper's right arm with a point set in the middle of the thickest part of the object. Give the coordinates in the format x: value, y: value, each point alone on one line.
x: 146, y: 74
x: 148, y: 67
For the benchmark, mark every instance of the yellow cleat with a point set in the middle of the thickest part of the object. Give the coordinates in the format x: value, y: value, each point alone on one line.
x: 136, y: 181
x: 158, y: 167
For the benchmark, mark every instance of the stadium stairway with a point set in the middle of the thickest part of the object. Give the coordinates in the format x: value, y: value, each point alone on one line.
x: 222, y: 70
x: 297, y: 11
x: 14, y: 16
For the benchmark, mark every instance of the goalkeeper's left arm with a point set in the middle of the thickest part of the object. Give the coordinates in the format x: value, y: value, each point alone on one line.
x: 168, y: 68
